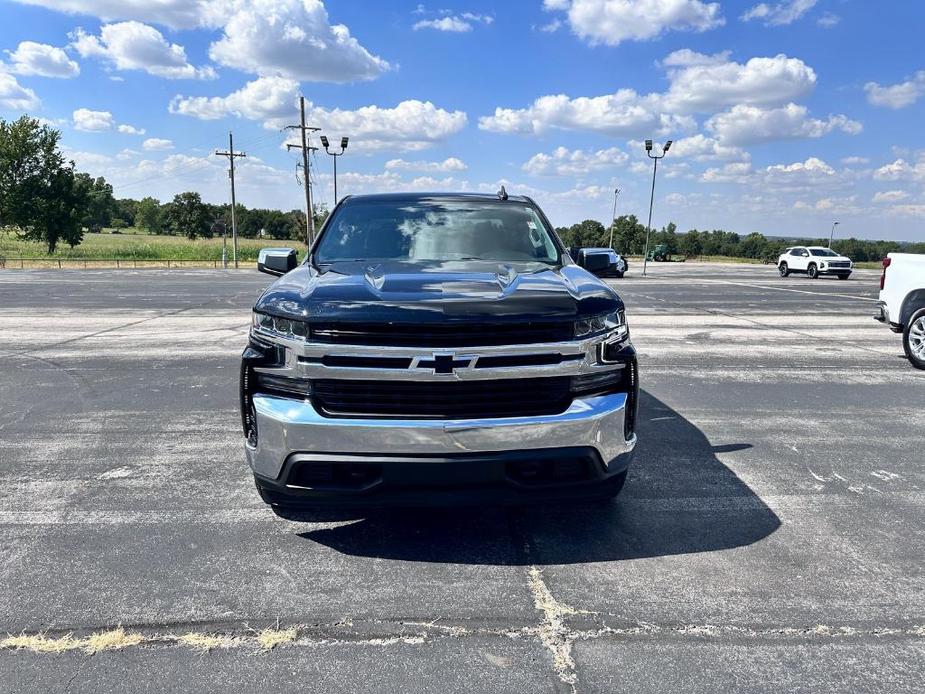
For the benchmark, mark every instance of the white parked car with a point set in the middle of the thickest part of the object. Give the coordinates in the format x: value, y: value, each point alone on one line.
x: 902, y: 302
x: 814, y: 261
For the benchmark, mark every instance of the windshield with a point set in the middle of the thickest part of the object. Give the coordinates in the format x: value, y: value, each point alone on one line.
x: 437, y: 230
x: 822, y: 251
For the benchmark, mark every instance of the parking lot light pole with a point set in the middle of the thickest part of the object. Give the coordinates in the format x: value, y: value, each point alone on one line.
x: 832, y: 233
x: 613, y: 219
x: 343, y: 148
x: 654, y: 158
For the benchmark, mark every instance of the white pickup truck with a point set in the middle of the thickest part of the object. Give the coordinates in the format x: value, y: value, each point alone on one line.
x: 902, y: 302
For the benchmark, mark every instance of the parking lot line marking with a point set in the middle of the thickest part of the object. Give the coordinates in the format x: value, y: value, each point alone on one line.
x: 301, y: 635
x: 788, y: 289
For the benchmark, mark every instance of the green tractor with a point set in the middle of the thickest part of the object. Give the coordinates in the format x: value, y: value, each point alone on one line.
x: 659, y: 253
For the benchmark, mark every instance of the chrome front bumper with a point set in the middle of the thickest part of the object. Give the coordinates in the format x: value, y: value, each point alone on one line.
x: 287, y: 426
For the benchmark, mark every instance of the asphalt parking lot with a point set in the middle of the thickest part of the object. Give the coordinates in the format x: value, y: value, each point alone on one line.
x: 770, y: 536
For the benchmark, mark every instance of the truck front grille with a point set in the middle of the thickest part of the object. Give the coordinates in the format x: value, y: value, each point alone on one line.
x: 442, y: 335
x: 839, y: 263
x: 519, y: 397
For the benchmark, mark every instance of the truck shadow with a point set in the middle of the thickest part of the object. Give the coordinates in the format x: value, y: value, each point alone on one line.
x: 679, y: 499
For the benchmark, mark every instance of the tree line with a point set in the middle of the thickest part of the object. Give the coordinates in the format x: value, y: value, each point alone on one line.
x: 44, y: 198
x: 629, y: 238
x: 187, y: 215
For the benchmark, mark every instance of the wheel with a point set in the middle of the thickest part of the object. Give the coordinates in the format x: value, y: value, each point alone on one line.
x: 619, y: 275
x: 843, y: 277
x: 783, y: 270
x: 812, y: 271
x: 914, y: 339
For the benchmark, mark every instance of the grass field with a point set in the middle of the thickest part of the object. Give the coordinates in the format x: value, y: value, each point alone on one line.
x: 136, y: 245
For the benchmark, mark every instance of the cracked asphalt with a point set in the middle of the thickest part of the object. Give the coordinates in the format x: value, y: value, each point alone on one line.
x: 770, y: 536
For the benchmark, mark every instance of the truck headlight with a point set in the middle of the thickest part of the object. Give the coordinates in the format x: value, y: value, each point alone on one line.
x: 603, y: 324
x: 281, y: 327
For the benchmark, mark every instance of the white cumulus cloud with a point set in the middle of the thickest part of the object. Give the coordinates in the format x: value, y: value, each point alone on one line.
x: 744, y: 125
x: 702, y: 148
x: 15, y: 97
x: 737, y: 172
x: 31, y: 58
x: 705, y: 83
x: 622, y: 113
x: 577, y: 162
x: 890, y: 196
x: 294, y: 39
x: 698, y: 83
x: 448, y: 164
x: 290, y: 38
x: 612, y: 22
x: 411, y: 125
x: 899, y: 95
x: 454, y: 23
x: 136, y: 46
x: 266, y: 98
x: 902, y: 170
x: 93, y: 121
x: 780, y: 13
x: 179, y: 14
x: 157, y: 144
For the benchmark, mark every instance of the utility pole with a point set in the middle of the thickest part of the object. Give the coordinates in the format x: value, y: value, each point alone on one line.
x: 613, y: 219
x: 304, y: 130
x: 832, y: 233
x: 231, y: 154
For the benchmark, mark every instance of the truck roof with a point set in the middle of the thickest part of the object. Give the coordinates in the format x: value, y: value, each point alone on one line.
x: 420, y: 197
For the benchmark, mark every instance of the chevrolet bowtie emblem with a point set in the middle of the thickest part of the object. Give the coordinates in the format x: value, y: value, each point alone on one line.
x: 445, y: 363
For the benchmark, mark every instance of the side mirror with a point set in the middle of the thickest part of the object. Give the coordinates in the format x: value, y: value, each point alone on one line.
x: 594, y: 260
x: 276, y: 261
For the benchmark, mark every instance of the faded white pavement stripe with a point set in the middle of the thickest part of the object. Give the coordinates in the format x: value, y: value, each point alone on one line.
x: 854, y: 297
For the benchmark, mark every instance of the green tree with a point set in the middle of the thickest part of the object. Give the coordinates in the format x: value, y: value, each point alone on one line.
x: 690, y: 245
x: 101, y: 204
x: 149, y: 215
x: 39, y: 192
x: 125, y: 210
x: 187, y: 215
x: 629, y: 235
x: 667, y: 236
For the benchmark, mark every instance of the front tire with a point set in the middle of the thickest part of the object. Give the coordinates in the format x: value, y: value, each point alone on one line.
x: 619, y: 275
x: 813, y: 272
x: 783, y: 270
x: 843, y: 277
x: 914, y: 339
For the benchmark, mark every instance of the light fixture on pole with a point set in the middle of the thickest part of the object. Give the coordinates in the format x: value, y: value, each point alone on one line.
x: 613, y: 219
x: 654, y: 158
x: 343, y: 148
x: 832, y: 233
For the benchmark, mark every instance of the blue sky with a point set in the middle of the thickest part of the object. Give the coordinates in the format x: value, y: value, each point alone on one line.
x: 786, y: 115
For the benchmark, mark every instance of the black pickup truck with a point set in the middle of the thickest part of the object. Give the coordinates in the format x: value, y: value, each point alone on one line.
x: 435, y: 348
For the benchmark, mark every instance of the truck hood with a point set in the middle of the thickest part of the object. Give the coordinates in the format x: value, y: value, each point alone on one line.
x: 416, y: 292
